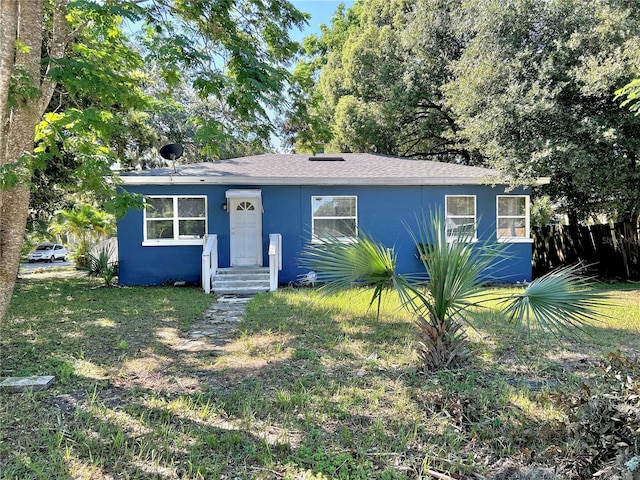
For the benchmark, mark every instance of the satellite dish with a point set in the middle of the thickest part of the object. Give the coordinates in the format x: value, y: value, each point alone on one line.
x: 172, y: 152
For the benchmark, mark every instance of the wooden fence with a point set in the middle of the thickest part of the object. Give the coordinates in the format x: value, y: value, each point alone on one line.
x: 612, y: 251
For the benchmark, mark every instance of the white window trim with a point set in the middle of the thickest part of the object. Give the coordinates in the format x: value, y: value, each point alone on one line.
x: 473, y: 239
x: 319, y: 240
x: 163, y: 242
x: 508, y: 239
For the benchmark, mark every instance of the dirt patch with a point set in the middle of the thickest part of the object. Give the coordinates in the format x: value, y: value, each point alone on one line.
x: 50, y: 272
x: 67, y: 402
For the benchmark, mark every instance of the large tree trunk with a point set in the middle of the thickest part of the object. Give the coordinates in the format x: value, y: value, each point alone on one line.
x: 8, y: 31
x: 24, y: 24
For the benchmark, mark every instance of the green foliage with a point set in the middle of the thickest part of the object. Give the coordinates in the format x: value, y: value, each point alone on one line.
x: 94, y: 114
x: 559, y: 303
x: 542, y: 211
x: 534, y: 90
x: 18, y: 172
x: 343, y: 466
x: 631, y: 93
x: 372, y: 83
x: 233, y: 51
x: 455, y: 267
x: 233, y: 55
x: 84, y: 224
x: 21, y: 87
x: 101, y: 265
x: 343, y: 265
x: 525, y: 87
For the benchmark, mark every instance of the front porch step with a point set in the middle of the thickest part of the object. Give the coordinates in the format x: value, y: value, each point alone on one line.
x: 241, y: 280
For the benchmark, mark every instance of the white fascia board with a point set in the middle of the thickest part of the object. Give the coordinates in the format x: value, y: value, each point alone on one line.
x: 193, y: 180
x: 243, y: 193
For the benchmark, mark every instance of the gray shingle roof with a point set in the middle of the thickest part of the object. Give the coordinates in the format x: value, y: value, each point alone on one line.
x: 298, y: 169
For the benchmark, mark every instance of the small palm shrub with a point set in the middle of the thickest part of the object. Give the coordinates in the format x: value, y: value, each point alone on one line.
x: 455, y: 271
x: 100, y: 265
x: 85, y: 224
x: 448, y: 297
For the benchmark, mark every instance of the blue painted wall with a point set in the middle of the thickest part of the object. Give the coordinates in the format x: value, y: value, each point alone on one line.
x: 383, y: 213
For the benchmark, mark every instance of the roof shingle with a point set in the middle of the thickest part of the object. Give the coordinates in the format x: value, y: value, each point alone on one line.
x: 297, y: 169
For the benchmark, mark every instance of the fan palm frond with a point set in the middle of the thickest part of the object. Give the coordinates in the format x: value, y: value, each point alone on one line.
x: 559, y: 303
x: 363, y: 262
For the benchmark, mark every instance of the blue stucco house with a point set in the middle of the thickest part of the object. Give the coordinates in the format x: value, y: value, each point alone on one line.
x: 203, y: 219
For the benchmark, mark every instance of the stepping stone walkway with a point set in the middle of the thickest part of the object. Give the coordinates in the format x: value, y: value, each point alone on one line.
x: 218, y: 325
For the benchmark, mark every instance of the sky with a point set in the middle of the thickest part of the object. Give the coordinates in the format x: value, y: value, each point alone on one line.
x: 321, y: 12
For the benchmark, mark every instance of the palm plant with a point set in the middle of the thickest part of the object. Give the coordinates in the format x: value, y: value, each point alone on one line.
x: 343, y: 265
x: 101, y: 265
x: 84, y: 224
x: 457, y: 272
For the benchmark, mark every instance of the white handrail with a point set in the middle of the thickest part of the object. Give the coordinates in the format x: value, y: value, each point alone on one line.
x: 209, y: 261
x: 275, y: 259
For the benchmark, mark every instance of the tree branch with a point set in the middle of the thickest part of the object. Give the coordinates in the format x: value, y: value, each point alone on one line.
x: 59, y: 41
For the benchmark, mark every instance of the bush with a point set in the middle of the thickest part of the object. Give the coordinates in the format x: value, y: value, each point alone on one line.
x: 102, y: 266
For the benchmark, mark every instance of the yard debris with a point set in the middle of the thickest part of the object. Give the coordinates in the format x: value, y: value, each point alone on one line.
x: 604, y: 419
x: 442, y: 476
x: 528, y: 473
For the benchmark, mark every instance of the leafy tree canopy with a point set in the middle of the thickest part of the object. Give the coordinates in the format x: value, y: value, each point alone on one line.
x: 534, y: 91
x: 73, y: 81
x: 525, y: 86
x: 123, y: 89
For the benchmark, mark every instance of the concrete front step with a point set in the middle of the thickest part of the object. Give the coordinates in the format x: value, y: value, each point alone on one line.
x: 245, y: 290
x: 241, y: 270
x: 241, y: 280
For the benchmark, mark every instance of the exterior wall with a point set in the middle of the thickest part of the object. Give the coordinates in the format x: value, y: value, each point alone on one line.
x: 384, y: 212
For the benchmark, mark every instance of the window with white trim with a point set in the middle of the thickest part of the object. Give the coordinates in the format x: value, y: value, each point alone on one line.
x: 461, y: 217
x: 512, y: 217
x: 175, y: 220
x: 334, y: 217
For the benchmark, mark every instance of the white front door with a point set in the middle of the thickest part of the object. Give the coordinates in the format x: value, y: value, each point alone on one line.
x: 245, y: 222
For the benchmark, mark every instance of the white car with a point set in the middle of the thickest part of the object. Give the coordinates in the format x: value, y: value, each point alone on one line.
x: 48, y: 252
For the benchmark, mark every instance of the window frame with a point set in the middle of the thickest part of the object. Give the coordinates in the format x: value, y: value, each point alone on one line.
x: 319, y: 240
x: 467, y: 239
x: 527, y: 219
x: 176, y: 240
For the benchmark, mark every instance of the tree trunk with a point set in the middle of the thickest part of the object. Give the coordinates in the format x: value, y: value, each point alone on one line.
x: 8, y: 30
x: 442, y: 343
x: 18, y: 124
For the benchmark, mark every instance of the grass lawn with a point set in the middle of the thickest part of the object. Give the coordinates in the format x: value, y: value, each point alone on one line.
x: 308, y: 387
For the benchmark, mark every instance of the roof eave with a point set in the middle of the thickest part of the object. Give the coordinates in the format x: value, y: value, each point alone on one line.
x: 234, y: 180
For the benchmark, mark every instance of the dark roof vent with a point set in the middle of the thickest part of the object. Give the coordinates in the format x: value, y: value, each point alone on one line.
x: 325, y: 158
